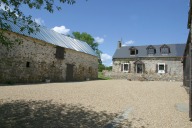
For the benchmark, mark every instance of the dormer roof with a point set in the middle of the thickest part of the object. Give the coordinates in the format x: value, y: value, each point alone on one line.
x: 177, y: 50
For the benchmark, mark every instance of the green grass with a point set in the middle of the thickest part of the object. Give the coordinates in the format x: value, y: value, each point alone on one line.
x: 102, y: 77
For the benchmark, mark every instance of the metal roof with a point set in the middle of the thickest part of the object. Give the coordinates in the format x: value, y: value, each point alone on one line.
x: 52, y: 37
x: 176, y: 50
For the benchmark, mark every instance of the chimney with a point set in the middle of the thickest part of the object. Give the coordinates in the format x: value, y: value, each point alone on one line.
x: 119, y: 44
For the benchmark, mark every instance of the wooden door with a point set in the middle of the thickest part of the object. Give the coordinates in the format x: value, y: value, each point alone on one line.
x: 69, y: 73
x: 139, y: 68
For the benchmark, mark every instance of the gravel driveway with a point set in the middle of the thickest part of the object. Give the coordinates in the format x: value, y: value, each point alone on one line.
x: 106, y: 103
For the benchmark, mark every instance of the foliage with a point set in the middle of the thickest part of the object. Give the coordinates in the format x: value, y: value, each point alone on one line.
x: 12, y: 13
x: 101, y: 67
x: 88, y: 39
x: 102, y: 77
x: 7, y: 42
x: 108, y: 68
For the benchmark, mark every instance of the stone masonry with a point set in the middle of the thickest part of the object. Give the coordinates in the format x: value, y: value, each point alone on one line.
x: 34, y: 61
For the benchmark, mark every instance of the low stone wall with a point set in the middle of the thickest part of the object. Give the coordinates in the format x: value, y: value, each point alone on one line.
x: 142, y: 77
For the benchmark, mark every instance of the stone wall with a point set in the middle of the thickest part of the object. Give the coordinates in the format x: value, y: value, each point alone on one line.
x: 35, y: 61
x: 142, y: 77
x: 174, y: 69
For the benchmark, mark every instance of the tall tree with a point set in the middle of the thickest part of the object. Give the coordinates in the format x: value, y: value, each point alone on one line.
x: 12, y: 13
x: 89, y: 40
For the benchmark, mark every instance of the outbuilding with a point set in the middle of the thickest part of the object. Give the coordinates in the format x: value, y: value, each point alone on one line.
x: 46, y: 56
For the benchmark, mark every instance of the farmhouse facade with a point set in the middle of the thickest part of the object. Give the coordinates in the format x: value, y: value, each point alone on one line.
x: 158, y: 61
x: 46, y: 55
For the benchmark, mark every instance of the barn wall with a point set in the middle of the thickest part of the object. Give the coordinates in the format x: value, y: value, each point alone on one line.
x: 35, y: 61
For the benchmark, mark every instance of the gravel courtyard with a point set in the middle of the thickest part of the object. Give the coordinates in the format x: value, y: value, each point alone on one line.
x: 103, y: 103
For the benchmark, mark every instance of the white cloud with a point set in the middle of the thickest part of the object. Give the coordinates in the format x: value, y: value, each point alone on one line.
x: 128, y: 43
x: 106, y: 59
x: 39, y: 21
x: 99, y: 40
x: 61, y: 29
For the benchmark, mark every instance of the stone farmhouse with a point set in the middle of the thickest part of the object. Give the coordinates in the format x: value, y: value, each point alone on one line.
x: 46, y: 56
x: 152, y: 62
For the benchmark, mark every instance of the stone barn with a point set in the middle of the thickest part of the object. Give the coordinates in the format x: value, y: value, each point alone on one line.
x: 152, y: 62
x: 46, y: 55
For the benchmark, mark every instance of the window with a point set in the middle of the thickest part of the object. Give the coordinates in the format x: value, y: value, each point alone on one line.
x: 90, y: 70
x: 161, y: 68
x: 133, y: 51
x: 164, y: 49
x: 59, y: 52
x: 125, y: 67
x: 28, y: 64
x: 151, y: 50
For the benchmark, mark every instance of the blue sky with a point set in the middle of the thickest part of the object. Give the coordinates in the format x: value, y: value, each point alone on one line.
x: 136, y: 22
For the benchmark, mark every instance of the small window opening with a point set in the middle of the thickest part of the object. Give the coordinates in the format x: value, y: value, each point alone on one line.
x: 59, y: 52
x: 90, y: 70
x: 28, y: 64
x: 133, y: 52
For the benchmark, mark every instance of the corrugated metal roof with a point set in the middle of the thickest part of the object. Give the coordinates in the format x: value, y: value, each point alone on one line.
x: 176, y: 50
x: 52, y: 37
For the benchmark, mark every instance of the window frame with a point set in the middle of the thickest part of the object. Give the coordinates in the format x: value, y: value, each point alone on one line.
x: 152, y: 49
x: 163, y: 47
x: 152, y: 52
x: 133, y: 49
x: 124, y: 67
x: 161, y: 71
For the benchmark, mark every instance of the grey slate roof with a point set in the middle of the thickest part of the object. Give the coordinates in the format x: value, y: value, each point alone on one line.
x: 176, y: 50
x: 55, y: 38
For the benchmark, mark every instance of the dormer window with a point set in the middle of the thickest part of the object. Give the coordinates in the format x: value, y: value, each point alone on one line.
x: 151, y: 50
x: 133, y: 51
x: 164, y: 49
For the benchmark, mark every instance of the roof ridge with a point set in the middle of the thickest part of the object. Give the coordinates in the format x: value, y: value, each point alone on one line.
x: 153, y: 45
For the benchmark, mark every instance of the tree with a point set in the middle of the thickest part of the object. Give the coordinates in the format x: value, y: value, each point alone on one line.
x: 89, y: 40
x: 101, y: 67
x: 12, y: 13
x: 86, y: 38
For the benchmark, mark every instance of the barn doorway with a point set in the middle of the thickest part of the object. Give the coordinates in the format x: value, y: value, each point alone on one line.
x: 69, y: 73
